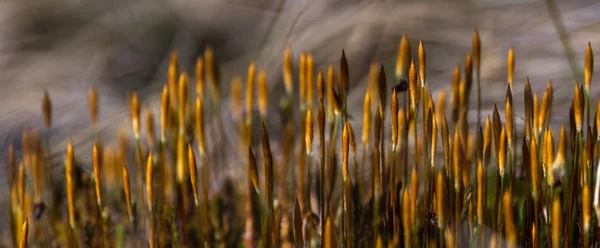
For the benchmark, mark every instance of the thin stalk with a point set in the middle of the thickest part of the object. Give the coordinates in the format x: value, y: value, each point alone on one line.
x: 415, y: 240
x: 361, y: 174
x: 383, y: 170
x: 497, y: 202
x: 392, y: 189
x: 322, y: 184
x: 406, y: 129
x: 425, y: 157
x: 333, y: 137
x: 574, y: 176
x: 499, y: 214
x: 478, y: 97
x: 457, y: 220
x: 139, y: 159
x: 308, y: 178
x: 587, y: 105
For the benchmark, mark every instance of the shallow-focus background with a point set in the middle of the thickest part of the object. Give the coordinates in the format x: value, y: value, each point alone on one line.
x: 68, y: 46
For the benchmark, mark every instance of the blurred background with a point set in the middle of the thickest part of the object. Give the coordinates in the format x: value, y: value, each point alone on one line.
x: 68, y: 46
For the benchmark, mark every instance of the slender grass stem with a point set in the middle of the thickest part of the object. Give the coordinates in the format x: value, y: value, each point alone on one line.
x: 393, y: 190
x: 574, y: 182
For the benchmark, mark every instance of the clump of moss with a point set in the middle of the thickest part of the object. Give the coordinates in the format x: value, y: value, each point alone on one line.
x: 492, y: 185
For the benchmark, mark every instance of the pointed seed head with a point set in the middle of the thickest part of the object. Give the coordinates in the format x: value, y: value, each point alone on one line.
x: 288, y: 73
x: 367, y: 119
x: 250, y: 91
x: 93, y: 106
x: 193, y: 173
x: 403, y: 59
x: 476, y: 50
x: 589, y: 67
x: 149, y: 181
x: 510, y: 65
x: 47, y: 109
x: 263, y: 94
x: 422, y: 63
x: 135, y: 115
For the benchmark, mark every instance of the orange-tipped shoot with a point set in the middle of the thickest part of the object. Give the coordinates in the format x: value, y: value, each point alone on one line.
x: 440, y: 106
x: 548, y: 156
x: 308, y: 135
x: 403, y: 59
x: 47, y: 109
x: 149, y: 180
x: 150, y: 127
x: 559, y: 161
x: 588, y: 67
x: 352, y: 138
x: 344, y: 75
x: 578, y: 107
x: 330, y: 94
x: 211, y: 72
x: 263, y: 94
x: 10, y: 165
x: 382, y: 89
x: 394, y: 118
x: 253, y: 170
x: 23, y: 234
x: 401, y: 116
x: 310, y: 71
x: 127, y: 189
x: 135, y: 115
x: 193, y: 173
x: 199, y: 125
x: 487, y: 140
x: 414, y: 91
x: 268, y: 159
x: 236, y: 98
x: 250, y: 92
x: 165, y: 109
x: 509, y: 116
x: 440, y: 203
x: 456, y: 158
x: 320, y: 85
x: 476, y: 50
x: 69, y: 167
x: 533, y: 150
x: 97, y: 174
x: 366, y: 119
x: 557, y: 227
x: 544, y: 110
x: 302, y: 80
x: 510, y: 65
x: 173, y: 72
x: 510, y: 228
x: 180, y: 159
x: 288, y: 74
x: 93, y: 106
x: 422, y: 63
x: 183, y: 94
x: 345, y: 151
